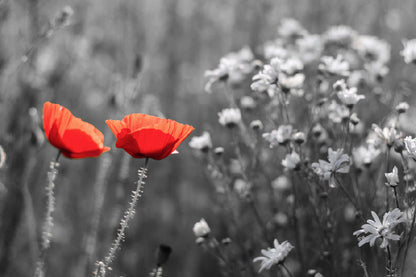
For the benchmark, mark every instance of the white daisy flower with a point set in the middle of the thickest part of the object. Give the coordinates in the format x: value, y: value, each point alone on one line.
x: 272, y: 256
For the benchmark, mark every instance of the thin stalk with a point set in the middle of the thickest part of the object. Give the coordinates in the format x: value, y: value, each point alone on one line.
x: 408, y: 241
x: 350, y: 198
x: 287, y: 270
x: 389, y: 269
x: 396, y: 197
x: 48, y: 223
x: 102, y: 266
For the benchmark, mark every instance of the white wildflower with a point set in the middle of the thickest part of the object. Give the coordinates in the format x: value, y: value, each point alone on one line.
x: 242, y: 188
x: 338, y: 163
x: 201, y: 228
x: 202, y: 142
x: 340, y: 35
x: 402, y: 107
x: 281, y: 183
x: 292, y: 161
x: 272, y: 256
x: 372, y: 49
x: 409, y: 51
x: 377, y: 229
x: 310, y: 48
x: 392, y: 177
x: 337, y: 113
x: 291, y: 28
x: 230, y: 117
x: 349, y: 97
x: 336, y: 66
x: 410, y: 144
x: 365, y: 155
x: 388, y: 135
x: 248, y: 103
x: 280, y: 136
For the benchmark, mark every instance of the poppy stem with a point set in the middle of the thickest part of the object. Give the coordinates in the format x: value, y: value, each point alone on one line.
x: 48, y: 223
x: 102, y: 266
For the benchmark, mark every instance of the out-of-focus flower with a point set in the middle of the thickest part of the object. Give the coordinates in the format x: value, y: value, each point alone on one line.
x: 76, y: 139
x: 354, y: 119
x: 335, y: 66
x: 340, y: 85
x: 281, y: 219
x: 338, y: 163
x: 377, y: 229
x: 291, y: 66
x: 402, y: 107
x: 202, y: 142
x: 266, y: 80
x: 372, y: 49
x: 349, y: 96
x: 299, y: 137
x: 201, y: 228
x: 292, y: 84
x: 147, y: 136
x: 280, y: 136
x: 340, y: 35
x: 388, y: 135
x: 2, y: 157
x: 291, y: 161
x: 337, y: 113
x: 410, y: 144
x: 409, y: 51
x: 219, y: 151
x: 281, y: 183
x: 365, y: 155
x: 291, y: 28
x: 376, y: 71
x: 248, y: 103
x: 392, y: 177
x: 230, y: 117
x: 272, y: 256
x: 242, y: 188
x: 275, y: 49
x: 234, y: 67
x: 256, y: 125
x: 309, y: 48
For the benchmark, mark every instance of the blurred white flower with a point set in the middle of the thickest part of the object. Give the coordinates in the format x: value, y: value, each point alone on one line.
x: 309, y: 48
x: 267, y: 78
x: 201, y: 228
x: 233, y: 67
x: 256, y: 125
x: 365, y: 155
x: 336, y: 66
x: 409, y: 51
x: 291, y: 28
x: 280, y: 136
x: 272, y: 256
x: 275, y: 49
x: 388, y: 135
x: 340, y: 35
x: 242, y: 188
x: 292, y: 84
x: 291, y: 66
x: 377, y: 229
x: 402, y: 107
x: 337, y: 113
x: 248, y: 103
x: 202, y: 142
x: 230, y: 117
x: 410, y: 144
x: 372, y: 49
x: 281, y: 183
x: 392, y: 177
x: 291, y: 161
x: 338, y: 163
x: 299, y: 137
x: 349, y: 96
x: 2, y: 157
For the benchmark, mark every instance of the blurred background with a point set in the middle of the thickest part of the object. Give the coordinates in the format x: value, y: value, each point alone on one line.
x: 119, y: 57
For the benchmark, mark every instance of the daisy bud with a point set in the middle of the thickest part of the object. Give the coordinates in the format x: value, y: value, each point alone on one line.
x: 199, y: 240
x: 299, y: 137
x: 201, y: 229
x: 256, y: 125
x: 219, y: 151
x: 230, y: 117
x: 354, y: 119
x: 402, y: 107
x: 226, y: 241
x: 202, y: 143
x: 248, y: 103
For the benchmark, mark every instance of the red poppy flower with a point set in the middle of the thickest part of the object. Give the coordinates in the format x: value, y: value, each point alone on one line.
x: 146, y: 136
x: 75, y: 138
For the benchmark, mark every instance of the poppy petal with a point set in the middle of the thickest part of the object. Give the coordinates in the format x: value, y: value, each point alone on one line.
x: 116, y: 126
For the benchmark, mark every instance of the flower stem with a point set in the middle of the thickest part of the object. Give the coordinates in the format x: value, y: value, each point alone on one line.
x: 102, y: 266
x: 48, y: 223
x: 287, y: 270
